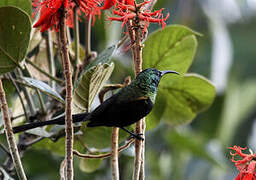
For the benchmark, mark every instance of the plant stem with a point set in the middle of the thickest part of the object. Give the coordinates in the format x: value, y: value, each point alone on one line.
x: 88, y: 22
x: 76, y: 36
x: 5, y: 149
x: 19, y: 94
x: 114, y: 154
x: 92, y: 156
x: 50, y: 58
x: 142, y: 168
x: 10, y: 136
x: 41, y: 101
x: 134, y: 32
x: 28, y: 97
x: 43, y: 72
x: 77, y: 43
x: 68, y: 116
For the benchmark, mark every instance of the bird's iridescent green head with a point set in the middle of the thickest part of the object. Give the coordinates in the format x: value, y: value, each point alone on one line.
x: 148, y: 80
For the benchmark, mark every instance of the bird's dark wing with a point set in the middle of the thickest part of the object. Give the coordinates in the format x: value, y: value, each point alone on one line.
x: 113, y: 112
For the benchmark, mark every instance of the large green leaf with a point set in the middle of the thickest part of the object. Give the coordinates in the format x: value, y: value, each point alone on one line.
x: 190, y: 142
x: 44, y: 88
x: 15, y: 30
x: 179, y: 102
x: 25, y: 5
x: 89, y: 86
x: 170, y: 49
x: 90, y: 165
x: 100, y: 137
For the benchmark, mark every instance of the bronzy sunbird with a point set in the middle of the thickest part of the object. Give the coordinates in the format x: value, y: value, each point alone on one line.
x: 126, y: 107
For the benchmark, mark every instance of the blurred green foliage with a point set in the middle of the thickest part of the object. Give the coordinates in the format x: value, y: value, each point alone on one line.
x: 192, y: 151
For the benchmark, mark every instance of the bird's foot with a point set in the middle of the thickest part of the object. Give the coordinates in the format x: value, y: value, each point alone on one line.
x: 138, y: 136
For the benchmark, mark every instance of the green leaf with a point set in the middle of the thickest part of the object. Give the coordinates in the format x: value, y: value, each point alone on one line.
x: 190, y: 142
x: 57, y: 147
x: 15, y: 30
x: 103, y: 57
x: 179, y: 102
x: 170, y: 49
x: 100, y: 137
x: 240, y: 102
x: 90, y: 165
x: 44, y: 88
x: 24, y: 5
x: 89, y: 86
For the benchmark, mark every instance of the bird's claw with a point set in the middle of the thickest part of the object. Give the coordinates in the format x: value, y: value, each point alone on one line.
x: 138, y: 136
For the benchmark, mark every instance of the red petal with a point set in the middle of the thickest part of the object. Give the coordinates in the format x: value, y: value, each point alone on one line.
x: 129, y: 2
x: 108, y: 4
x: 239, y: 176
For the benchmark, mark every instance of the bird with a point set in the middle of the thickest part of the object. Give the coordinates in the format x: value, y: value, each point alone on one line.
x: 124, y: 108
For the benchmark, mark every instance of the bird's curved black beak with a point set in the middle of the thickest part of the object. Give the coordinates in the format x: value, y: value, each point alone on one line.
x: 166, y: 72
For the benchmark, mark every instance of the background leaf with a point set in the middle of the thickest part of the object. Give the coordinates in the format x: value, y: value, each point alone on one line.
x: 90, y: 165
x: 25, y: 5
x: 170, y: 49
x: 43, y: 87
x: 190, y: 142
x: 89, y: 86
x: 182, y: 100
x: 15, y: 30
x: 100, y: 137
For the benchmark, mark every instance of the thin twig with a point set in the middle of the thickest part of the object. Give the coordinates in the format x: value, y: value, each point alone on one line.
x: 88, y: 23
x: 43, y: 72
x: 77, y: 44
x: 19, y: 94
x: 10, y: 136
x: 50, y: 57
x: 28, y: 97
x: 114, y: 154
x: 16, y: 117
x: 62, y: 169
x: 76, y: 36
x: 5, y: 149
x: 41, y: 101
x: 142, y: 168
x: 91, y: 156
x: 68, y: 116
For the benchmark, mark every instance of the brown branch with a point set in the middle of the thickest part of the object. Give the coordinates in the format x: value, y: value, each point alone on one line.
x: 68, y: 116
x: 114, y: 154
x: 62, y: 170
x: 91, y: 156
x: 134, y: 32
x: 10, y: 136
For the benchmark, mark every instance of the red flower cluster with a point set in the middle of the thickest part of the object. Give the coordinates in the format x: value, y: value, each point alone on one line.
x: 246, y: 166
x: 128, y: 10
x: 51, y: 11
x: 109, y: 3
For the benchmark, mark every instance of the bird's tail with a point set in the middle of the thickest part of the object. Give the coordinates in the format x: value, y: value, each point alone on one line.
x: 59, y: 120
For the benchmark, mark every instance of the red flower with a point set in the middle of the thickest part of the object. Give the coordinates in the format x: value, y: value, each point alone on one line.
x: 109, y: 3
x: 130, y: 11
x: 246, y: 165
x: 51, y: 11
